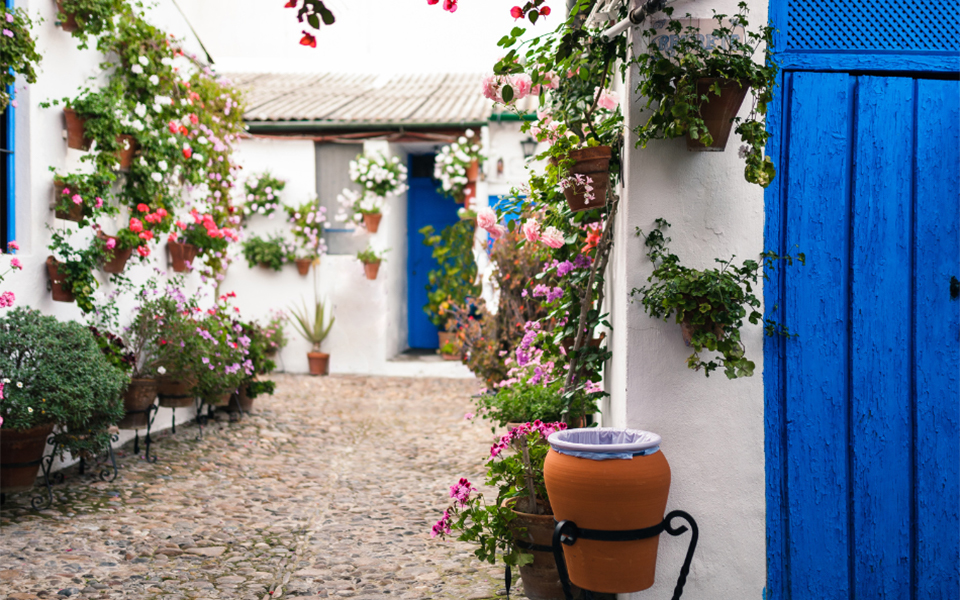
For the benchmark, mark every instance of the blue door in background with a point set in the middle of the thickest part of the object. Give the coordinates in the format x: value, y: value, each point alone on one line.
x: 425, y: 206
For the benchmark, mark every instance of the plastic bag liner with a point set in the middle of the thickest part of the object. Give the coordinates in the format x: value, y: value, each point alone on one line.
x: 604, y: 443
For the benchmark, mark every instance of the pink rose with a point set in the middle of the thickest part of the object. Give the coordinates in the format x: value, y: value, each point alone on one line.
x: 486, y: 217
x: 491, y: 88
x: 531, y: 230
x: 521, y: 84
x: 608, y: 100
x: 552, y: 237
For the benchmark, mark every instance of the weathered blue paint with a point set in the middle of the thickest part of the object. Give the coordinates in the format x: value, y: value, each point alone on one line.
x: 863, y: 430
x: 425, y: 206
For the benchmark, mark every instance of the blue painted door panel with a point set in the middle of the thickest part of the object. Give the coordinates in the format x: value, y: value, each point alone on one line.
x: 425, y: 206
x: 863, y: 407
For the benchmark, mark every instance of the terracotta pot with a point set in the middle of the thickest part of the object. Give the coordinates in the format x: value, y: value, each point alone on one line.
x: 469, y: 193
x: 221, y: 399
x: 687, y: 330
x: 613, y: 495
x: 595, y: 164
x: 540, y: 579
x: 473, y: 171
x: 319, y: 363
x: 242, y: 400
x: 718, y: 112
x: 371, y: 269
x: 567, y: 342
x: 119, y: 260
x: 76, y: 130
x: 445, y: 338
x: 69, y: 23
x: 175, y: 392
x: 138, y: 398
x: 19, y: 446
x: 372, y: 222
x: 59, y: 290
x: 74, y: 213
x: 303, y: 266
x: 180, y: 255
x: 128, y: 147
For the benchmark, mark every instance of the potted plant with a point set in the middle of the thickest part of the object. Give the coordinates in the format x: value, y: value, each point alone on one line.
x: 82, y: 197
x: 222, y: 363
x: 520, y: 515
x: 694, y: 86
x: 306, y: 223
x: 93, y: 117
x: 378, y: 175
x: 165, y: 328
x: 18, y: 52
x: 270, y: 253
x: 371, y: 260
x: 361, y: 208
x: 115, y: 250
x: 86, y: 18
x: 453, y: 282
x: 262, y: 195
x: 52, y: 373
x: 274, y: 334
x: 314, y: 328
x: 204, y: 236
x: 141, y: 388
x: 71, y: 272
x: 709, y: 304
x: 457, y: 167
x: 260, y: 353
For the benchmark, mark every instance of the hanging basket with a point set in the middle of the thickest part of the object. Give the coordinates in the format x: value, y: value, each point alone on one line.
x: 137, y: 401
x: 76, y: 130
x: 58, y: 287
x: 74, y: 212
x: 69, y: 24
x: 595, y: 164
x: 718, y: 112
x: 180, y: 255
x: 372, y: 222
x: 608, y: 479
x: 370, y: 269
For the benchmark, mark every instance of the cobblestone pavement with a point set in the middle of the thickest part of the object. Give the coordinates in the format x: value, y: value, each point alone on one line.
x: 328, y: 490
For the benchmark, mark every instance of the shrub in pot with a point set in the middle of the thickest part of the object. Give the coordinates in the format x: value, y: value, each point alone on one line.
x: 361, y: 208
x: 54, y: 374
x: 262, y: 195
x: 82, y: 197
x: 270, y: 253
x: 314, y: 328
x: 72, y: 269
x: 88, y: 18
x: 458, y: 164
x: 205, y: 235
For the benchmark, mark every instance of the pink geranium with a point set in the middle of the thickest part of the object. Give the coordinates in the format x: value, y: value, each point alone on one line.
x: 608, y: 100
x: 77, y: 199
x: 111, y: 243
x: 552, y: 237
x: 15, y: 263
x: 13, y: 246
x: 531, y: 230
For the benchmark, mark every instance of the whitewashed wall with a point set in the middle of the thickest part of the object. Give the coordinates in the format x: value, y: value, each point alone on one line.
x: 712, y: 428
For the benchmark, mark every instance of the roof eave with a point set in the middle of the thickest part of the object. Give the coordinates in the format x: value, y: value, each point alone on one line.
x: 292, y: 127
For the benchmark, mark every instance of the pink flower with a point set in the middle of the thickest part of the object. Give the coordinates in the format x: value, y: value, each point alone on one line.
x: 486, y: 217
x: 99, y: 202
x: 77, y: 199
x: 468, y: 416
x: 592, y: 387
x: 13, y: 246
x: 491, y: 88
x: 8, y: 33
x: 552, y: 237
x: 111, y: 243
x: 65, y: 191
x: 608, y: 100
x: 497, y: 231
x: 9, y: 20
x: 450, y: 5
x: 442, y: 526
x: 521, y: 85
x: 15, y: 263
x: 516, y: 12
x: 136, y: 225
x: 531, y: 230
x: 143, y: 251
x: 6, y: 299
x: 14, y: 103
x: 461, y: 491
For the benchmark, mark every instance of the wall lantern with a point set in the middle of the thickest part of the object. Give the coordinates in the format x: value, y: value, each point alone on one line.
x: 529, y: 147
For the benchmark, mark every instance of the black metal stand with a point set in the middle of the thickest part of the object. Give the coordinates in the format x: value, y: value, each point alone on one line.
x: 105, y: 472
x: 151, y: 412
x: 201, y: 418
x: 46, y: 463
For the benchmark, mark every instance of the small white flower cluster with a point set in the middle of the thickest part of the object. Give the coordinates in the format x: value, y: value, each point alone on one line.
x: 353, y: 205
x: 452, y: 163
x: 378, y: 175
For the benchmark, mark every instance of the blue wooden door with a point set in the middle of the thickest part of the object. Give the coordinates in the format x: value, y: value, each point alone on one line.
x: 863, y: 406
x: 425, y: 206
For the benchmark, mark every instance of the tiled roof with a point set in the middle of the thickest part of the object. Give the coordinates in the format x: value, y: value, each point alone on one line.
x: 352, y: 99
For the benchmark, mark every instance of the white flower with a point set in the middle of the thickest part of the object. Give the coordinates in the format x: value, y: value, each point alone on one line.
x: 156, y: 177
x: 469, y: 133
x: 154, y: 79
x: 6, y: 380
x: 161, y: 370
x: 29, y: 410
x: 136, y: 69
x: 140, y: 110
x: 162, y: 165
x: 202, y: 140
x: 166, y: 61
x: 20, y: 384
x: 143, y: 61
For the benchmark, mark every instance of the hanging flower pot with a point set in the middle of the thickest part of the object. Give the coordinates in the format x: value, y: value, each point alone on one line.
x: 76, y: 130
x: 74, y: 212
x: 593, y: 167
x: 622, y: 486
x: 372, y: 222
x: 540, y: 579
x: 21, y: 447
x: 473, y: 171
x: 687, y: 330
x: 137, y: 401
x: 469, y: 193
x: 120, y: 257
x: 180, y: 255
x: 371, y: 269
x: 175, y: 392
x: 61, y: 293
x: 69, y: 23
x: 718, y: 112
x: 319, y: 363
x: 128, y: 147
x: 303, y: 265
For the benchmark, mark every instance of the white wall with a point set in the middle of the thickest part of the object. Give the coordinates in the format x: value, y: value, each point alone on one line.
x: 712, y: 428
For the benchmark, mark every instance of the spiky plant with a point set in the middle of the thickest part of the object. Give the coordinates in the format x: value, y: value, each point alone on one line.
x: 312, y: 328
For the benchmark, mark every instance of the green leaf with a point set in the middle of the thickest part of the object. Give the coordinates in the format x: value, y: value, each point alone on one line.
x: 507, y: 93
x: 314, y: 21
x: 328, y: 17
x: 517, y: 31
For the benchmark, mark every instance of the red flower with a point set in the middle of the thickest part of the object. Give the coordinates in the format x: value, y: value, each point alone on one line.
x: 291, y: 4
x: 544, y: 11
x: 136, y: 225
x: 194, y: 119
x: 308, y: 40
x: 162, y: 212
x: 143, y: 251
x: 172, y: 238
x: 432, y: 2
x: 183, y: 130
x: 187, y: 152
x: 143, y: 207
x: 450, y: 5
x: 516, y: 12
x: 173, y: 126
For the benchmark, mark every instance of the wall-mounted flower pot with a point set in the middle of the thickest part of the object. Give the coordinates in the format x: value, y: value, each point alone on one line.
x: 469, y: 193
x: 58, y: 287
x: 175, y: 392
x: 595, y: 164
x: 448, y: 338
x: 76, y: 130
x: 180, y: 255
x: 370, y: 269
x: 540, y: 579
x: 303, y: 266
x: 319, y: 363
x: 74, y: 212
x: 128, y: 148
x: 120, y: 257
x: 625, y: 488
x: 718, y: 113
x: 21, y: 447
x: 687, y: 330
x: 473, y: 171
x: 137, y: 400
x: 372, y: 222
x: 70, y: 22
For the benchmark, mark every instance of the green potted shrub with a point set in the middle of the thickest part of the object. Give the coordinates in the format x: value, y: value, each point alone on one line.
x: 88, y: 18
x: 314, y: 328
x: 453, y: 282
x: 695, y: 88
x: 270, y: 253
x: 18, y: 52
x: 260, y: 353
x: 82, y: 197
x: 371, y: 260
x: 71, y: 272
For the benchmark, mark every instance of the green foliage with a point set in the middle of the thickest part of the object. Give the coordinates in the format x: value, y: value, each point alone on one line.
x: 219, y: 365
x: 669, y: 81
x: 76, y: 267
x: 260, y: 388
x: 306, y: 224
x: 454, y: 279
x: 272, y: 252
x: 369, y: 255
x: 259, y: 348
x: 114, y: 350
x: 712, y: 302
x: 521, y: 403
x: 18, y: 52
x: 262, y: 195
x: 93, y: 17
x: 314, y: 328
x: 54, y: 372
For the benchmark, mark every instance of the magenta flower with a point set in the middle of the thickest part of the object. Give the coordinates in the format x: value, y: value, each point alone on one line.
x: 77, y: 199
x: 9, y: 20
x: 461, y: 491
x: 15, y: 263
x: 6, y: 299
x: 111, y: 243
x: 8, y: 33
x: 442, y: 527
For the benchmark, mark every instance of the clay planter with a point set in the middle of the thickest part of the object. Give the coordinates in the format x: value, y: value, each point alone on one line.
x: 319, y: 363
x: 615, y: 495
x: 372, y: 222
x: 59, y: 290
x: 241, y: 400
x: 370, y: 269
x: 73, y: 213
x: 473, y: 172
x: 446, y: 338
x: 76, y: 130
x: 595, y: 164
x: 567, y: 342
x: 19, y: 446
x: 718, y: 112
x: 687, y: 330
x: 180, y: 255
x: 70, y: 23
x: 137, y: 399
x: 119, y: 260
x: 222, y: 399
x: 174, y: 392
x: 303, y: 266
x: 128, y: 147
x: 540, y: 579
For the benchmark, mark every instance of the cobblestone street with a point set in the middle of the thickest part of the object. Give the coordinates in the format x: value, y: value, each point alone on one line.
x: 327, y: 490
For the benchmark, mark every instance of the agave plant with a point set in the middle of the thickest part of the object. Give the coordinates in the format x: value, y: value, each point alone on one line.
x: 312, y: 327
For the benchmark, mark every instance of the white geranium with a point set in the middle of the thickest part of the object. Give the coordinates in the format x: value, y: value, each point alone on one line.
x: 140, y: 110
x: 137, y: 69
x: 143, y: 61
x: 154, y: 80
x: 156, y: 177
x: 162, y: 165
x: 453, y: 161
